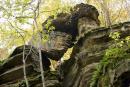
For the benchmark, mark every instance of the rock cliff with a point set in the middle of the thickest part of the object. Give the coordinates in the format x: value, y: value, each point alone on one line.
x: 80, y: 29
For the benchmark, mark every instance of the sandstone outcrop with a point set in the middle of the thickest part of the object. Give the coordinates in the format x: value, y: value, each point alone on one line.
x: 79, y: 29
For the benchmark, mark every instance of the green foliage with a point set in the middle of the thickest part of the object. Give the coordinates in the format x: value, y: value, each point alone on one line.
x: 15, y: 24
x: 114, y: 54
x: 49, y: 26
x: 115, y: 35
x: 1, y: 62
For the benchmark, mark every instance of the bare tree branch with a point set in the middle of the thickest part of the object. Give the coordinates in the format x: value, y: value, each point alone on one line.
x: 36, y: 14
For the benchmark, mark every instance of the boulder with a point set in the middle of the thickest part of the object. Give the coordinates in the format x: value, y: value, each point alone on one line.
x: 68, y: 27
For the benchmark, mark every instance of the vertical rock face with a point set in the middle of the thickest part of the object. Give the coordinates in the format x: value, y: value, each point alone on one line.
x: 119, y: 77
x: 87, y: 20
x: 88, y: 52
x: 85, y: 25
x: 78, y: 29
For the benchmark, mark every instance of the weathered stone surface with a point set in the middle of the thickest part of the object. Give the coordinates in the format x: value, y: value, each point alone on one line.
x: 118, y: 77
x: 15, y: 73
x: 68, y: 26
x: 31, y: 55
x: 85, y: 17
x: 88, y: 50
x: 61, y: 38
x: 51, y: 80
x: 85, y: 10
x: 12, y: 69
